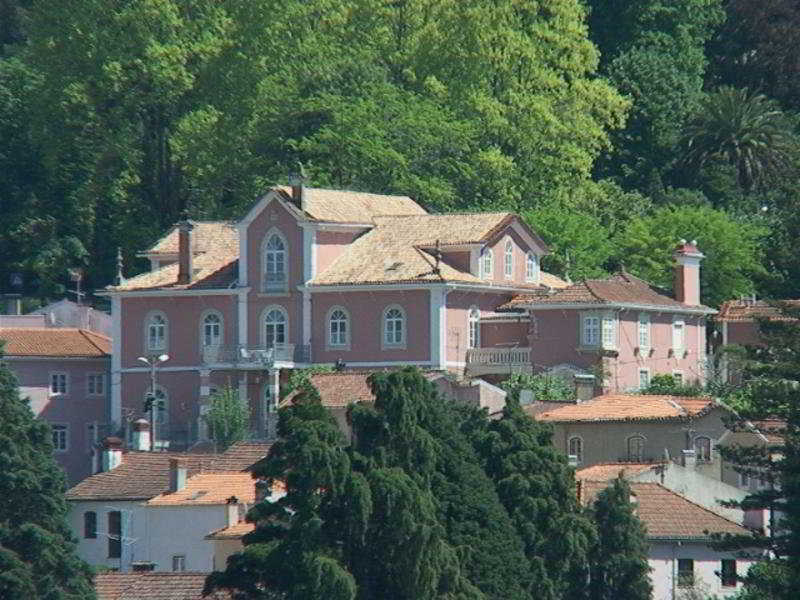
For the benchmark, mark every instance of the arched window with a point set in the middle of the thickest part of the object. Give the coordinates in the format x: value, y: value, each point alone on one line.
x: 474, y: 323
x: 702, y: 448
x: 487, y: 263
x: 338, y: 327
x: 394, y: 326
x: 212, y: 329
x: 531, y: 268
x: 276, y: 327
x: 636, y: 448
x: 156, y: 331
x: 575, y: 448
x: 508, y: 261
x: 275, y: 255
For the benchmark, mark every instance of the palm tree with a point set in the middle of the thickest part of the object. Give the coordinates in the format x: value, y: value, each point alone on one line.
x: 744, y: 129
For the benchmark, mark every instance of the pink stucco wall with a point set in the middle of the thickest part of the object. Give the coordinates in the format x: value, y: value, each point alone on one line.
x: 520, y: 250
x: 77, y: 409
x: 366, y: 314
x: 457, y: 260
x: 330, y: 244
x: 458, y: 305
x: 184, y: 316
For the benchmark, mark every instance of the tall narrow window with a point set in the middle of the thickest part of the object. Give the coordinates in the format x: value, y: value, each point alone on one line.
x: 96, y: 384
x: 685, y: 572
x: 338, y: 328
x: 576, y: 448
x: 60, y: 438
x: 728, y: 572
x: 275, y: 328
x: 644, y: 330
x: 487, y: 263
x: 531, y: 268
x: 508, y: 260
x: 702, y: 448
x: 609, y: 333
x: 157, y: 332
x: 58, y: 384
x: 636, y: 448
x: 212, y: 330
x: 394, y: 328
x: 114, y: 534
x: 275, y: 264
x: 678, y: 332
x: 474, y: 320
x: 90, y: 525
x: 591, y: 330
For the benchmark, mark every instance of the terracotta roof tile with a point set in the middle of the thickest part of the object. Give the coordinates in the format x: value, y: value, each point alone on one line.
x: 621, y: 407
x: 143, y: 475
x: 54, y: 342
x: 207, y: 236
x: 772, y: 429
x: 210, y: 488
x: 667, y: 515
x: 153, y: 586
x: 750, y: 310
x: 610, y: 471
x: 234, y: 532
x: 339, y: 389
x: 346, y: 206
x: 621, y: 288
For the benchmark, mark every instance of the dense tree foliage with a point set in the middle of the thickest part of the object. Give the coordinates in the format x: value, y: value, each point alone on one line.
x: 431, y: 500
x: 38, y: 557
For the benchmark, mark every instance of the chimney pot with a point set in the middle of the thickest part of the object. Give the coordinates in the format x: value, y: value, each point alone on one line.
x: 112, y: 453
x: 687, y: 273
x: 584, y: 387
x: 177, y: 475
x: 298, y: 179
x: 141, y: 435
x: 185, y: 252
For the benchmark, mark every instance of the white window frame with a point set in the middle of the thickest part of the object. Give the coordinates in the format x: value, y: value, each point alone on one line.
x: 646, y: 372
x: 628, y: 440
x: 62, y: 428
x: 508, y: 259
x: 608, y: 331
x: 340, y: 343
x: 487, y: 263
x: 644, y: 331
x: 678, y: 346
x: 220, y: 324
x: 595, y: 320
x: 531, y: 268
x: 578, y: 455
x: 264, y: 314
x: 149, y: 324
x: 403, y: 342
x: 62, y: 387
x: 473, y: 327
x: 266, y: 287
x: 604, y: 328
x: 697, y: 453
x: 91, y: 389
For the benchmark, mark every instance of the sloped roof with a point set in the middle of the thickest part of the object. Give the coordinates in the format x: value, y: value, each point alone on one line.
x: 750, y: 310
x: 620, y: 288
x: 339, y: 389
x: 55, y: 341
x: 143, y: 475
x: 610, y: 471
x: 210, y: 488
x: 207, y: 236
x: 234, y: 532
x: 622, y: 407
x: 240, y: 456
x: 346, y: 206
x: 153, y: 586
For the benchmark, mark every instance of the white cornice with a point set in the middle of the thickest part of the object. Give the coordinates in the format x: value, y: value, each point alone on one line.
x: 376, y: 287
x: 619, y: 305
x: 182, y: 293
x: 333, y: 226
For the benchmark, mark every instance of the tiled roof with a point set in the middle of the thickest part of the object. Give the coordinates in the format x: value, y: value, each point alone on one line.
x: 610, y: 471
x: 750, y: 310
x: 621, y: 288
x: 207, y: 236
x: 234, y: 532
x: 153, y: 586
x: 143, y: 475
x: 772, y: 429
x: 345, y: 206
x: 241, y: 456
x: 210, y: 488
x: 339, y: 389
x: 399, y: 249
x: 52, y: 341
x: 621, y: 407
x: 667, y: 515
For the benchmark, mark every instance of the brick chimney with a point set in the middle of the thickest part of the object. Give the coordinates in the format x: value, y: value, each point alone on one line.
x: 141, y: 435
x: 185, y: 252
x: 177, y: 475
x: 687, y: 273
x: 232, y: 511
x: 297, y: 179
x: 112, y: 453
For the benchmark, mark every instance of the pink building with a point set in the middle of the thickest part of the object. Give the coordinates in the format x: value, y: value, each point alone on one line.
x: 621, y: 330
x: 65, y: 373
x: 313, y: 276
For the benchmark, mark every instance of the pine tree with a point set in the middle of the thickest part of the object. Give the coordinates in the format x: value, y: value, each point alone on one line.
x: 38, y: 559
x: 619, y: 568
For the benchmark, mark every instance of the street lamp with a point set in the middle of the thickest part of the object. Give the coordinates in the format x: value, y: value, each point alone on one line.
x: 150, y: 404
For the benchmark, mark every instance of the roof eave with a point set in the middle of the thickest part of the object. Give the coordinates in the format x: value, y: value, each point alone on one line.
x: 702, y: 310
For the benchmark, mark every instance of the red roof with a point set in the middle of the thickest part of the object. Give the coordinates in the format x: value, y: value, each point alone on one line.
x: 750, y: 310
x: 55, y: 341
x: 340, y: 389
x: 610, y: 471
x: 622, y: 407
x: 153, y: 586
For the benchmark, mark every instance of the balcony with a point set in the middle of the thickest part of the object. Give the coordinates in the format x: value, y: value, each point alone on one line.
x: 482, y: 361
x: 257, y: 357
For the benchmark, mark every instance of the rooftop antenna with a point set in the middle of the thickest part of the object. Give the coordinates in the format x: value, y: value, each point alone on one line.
x: 76, y: 275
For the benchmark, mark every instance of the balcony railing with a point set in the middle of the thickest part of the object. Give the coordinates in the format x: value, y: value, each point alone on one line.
x: 257, y: 356
x: 274, y: 282
x: 497, y: 360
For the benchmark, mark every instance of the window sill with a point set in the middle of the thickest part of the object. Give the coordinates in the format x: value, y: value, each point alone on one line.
x: 275, y: 294
x: 332, y: 348
x: 644, y: 351
x: 393, y: 347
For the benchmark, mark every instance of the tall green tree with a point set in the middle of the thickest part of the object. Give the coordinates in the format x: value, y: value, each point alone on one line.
x: 228, y: 418
x: 619, y: 570
x: 38, y: 556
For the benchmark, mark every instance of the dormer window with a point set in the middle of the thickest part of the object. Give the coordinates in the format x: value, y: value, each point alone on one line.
x: 487, y: 263
x: 508, y: 260
x: 531, y: 268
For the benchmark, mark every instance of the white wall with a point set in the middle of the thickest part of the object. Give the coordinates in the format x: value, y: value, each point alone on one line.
x: 663, y: 561
x: 95, y: 551
x: 181, y: 530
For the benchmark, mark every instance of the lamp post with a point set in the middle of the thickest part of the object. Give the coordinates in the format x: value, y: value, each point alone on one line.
x: 152, y: 362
